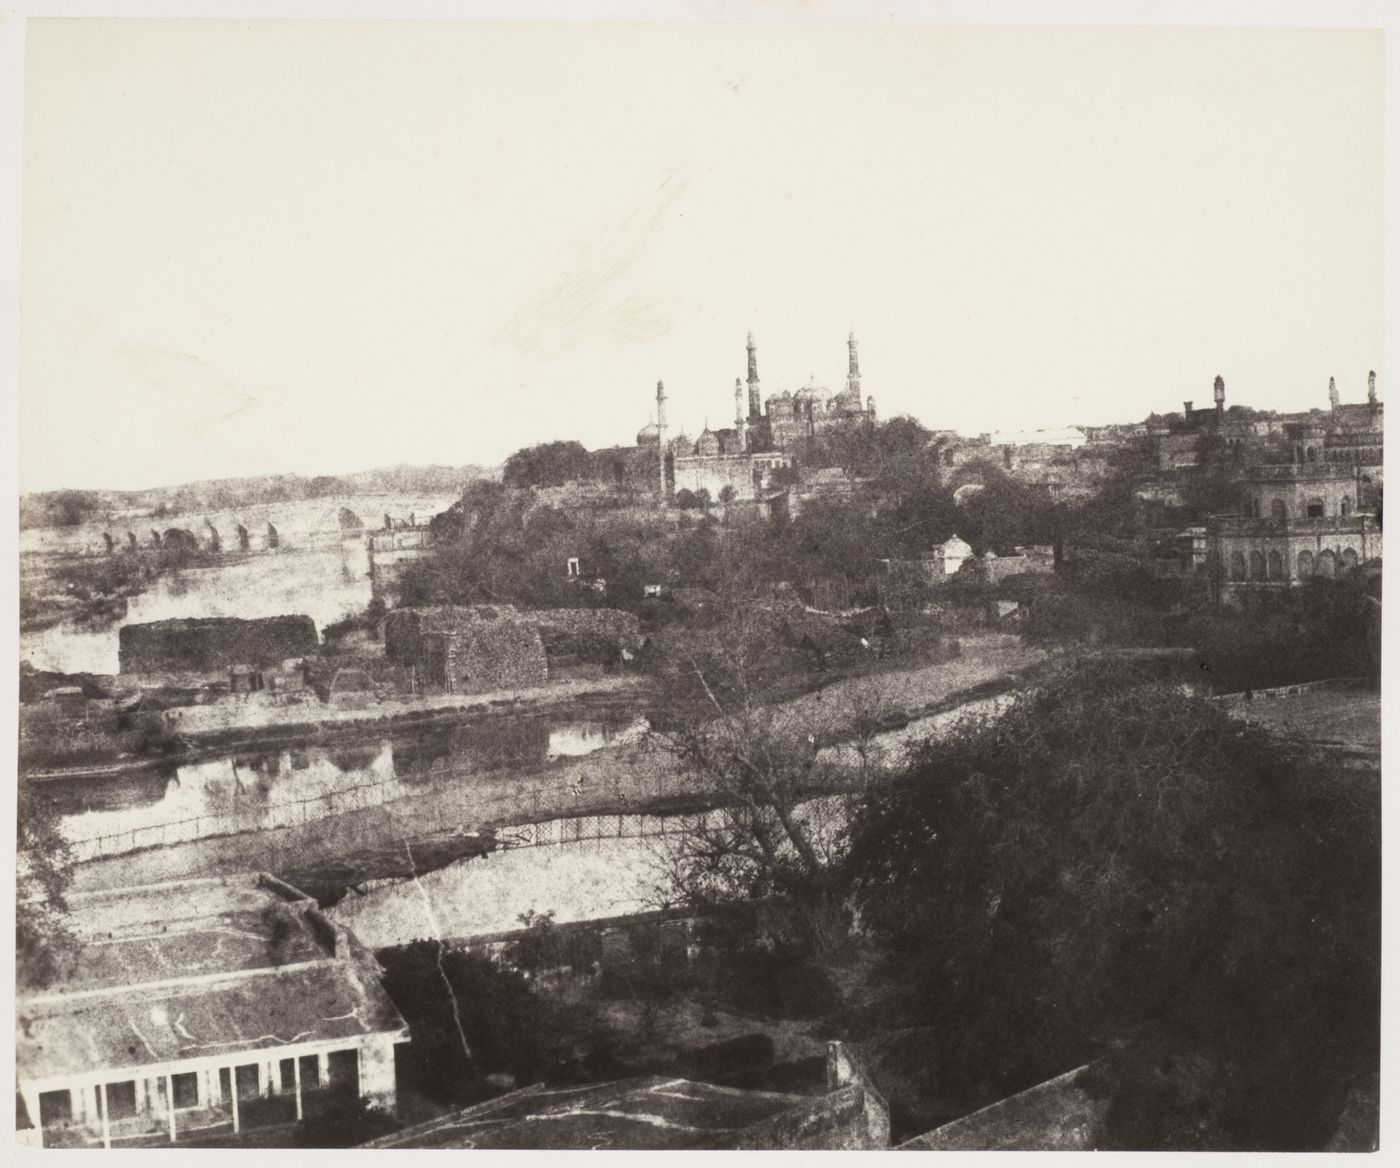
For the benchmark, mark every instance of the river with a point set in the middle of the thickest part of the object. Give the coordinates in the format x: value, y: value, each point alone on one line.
x: 260, y: 790
x: 316, y: 570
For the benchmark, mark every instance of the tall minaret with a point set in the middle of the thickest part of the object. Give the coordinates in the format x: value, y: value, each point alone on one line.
x: 1219, y: 394
x: 741, y: 427
x: 1332, y: 395
x: 755, y: 405
x: 661, y: 438
x: 853, y: 366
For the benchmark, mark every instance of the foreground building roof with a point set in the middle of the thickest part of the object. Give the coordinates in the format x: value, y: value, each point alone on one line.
x: 666, y: 1114
x: 1058, y: 1115
x: 197, y: 979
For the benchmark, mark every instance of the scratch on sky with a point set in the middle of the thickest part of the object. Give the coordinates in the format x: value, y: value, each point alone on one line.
x: 589, y: 296
x: 190, y: 378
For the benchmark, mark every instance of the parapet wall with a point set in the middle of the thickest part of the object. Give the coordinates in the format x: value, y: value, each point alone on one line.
x: 212, y: 644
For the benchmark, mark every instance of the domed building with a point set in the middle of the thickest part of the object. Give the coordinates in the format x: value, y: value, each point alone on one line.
x: 807, y: 412
x: 742, y: 457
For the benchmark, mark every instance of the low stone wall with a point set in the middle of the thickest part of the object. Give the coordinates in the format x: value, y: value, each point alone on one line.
x: 1290, y: 691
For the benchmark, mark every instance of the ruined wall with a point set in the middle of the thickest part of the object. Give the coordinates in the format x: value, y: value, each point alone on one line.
x: 564, y: 629
x: 212, y: 644
x: 503, y: 654
x: 468, y: 649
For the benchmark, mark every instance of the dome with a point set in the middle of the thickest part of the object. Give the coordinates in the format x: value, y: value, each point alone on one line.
x: 708, y: 443
x: 681, y: 444
x: 649, y: 435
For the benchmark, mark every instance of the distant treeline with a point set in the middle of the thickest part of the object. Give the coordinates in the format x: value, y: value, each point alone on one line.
x: 71, y: 508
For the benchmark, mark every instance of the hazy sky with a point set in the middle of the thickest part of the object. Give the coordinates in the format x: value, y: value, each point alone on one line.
x: 320, y: 247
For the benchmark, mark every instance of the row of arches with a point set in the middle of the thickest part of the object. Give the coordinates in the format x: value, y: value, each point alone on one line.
x: 1258, y: 566
x: 182, y: 538
x: 1311, y: 508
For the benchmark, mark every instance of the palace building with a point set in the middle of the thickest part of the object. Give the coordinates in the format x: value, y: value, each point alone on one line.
x: 1305, y: 519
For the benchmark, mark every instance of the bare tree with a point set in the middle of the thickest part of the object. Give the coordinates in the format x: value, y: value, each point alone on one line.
x: 779, y: 784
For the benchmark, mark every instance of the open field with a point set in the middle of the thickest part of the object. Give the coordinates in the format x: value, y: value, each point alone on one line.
x: 1351, y: 717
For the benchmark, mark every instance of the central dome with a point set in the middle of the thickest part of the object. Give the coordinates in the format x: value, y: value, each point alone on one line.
x: 649, y: 435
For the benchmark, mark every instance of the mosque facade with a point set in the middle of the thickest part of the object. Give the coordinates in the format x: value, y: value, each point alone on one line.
x: 764, y: 436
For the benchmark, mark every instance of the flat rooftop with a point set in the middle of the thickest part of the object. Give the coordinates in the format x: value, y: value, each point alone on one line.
x: 1058, y: 1115
x: 652, y: 1112
x: 196, y: 968
x: 191, y: 929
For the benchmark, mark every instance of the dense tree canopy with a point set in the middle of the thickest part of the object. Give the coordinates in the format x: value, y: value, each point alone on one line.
x: 468, y: 1017
x: 1118, y: 871
x: 549, y: 464
x: 43, y: 942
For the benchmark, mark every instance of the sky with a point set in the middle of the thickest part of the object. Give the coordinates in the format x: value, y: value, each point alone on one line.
x: 318, y: 247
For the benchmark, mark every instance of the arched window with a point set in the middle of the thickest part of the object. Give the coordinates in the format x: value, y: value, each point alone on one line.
x: 1316, y: 509
x: 1237, y: 569
x: 1275, y: 566
x: 1326, y: 564
x: 1312, y: 453
x: 1278, y: 509
x: 1349, y: 559
x: 1346, y: 505
x: 1256, y: 565
x: 1305, y: 564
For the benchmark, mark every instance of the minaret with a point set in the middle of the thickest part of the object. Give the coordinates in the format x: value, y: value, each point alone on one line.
x: 1332, y: 395
x: 755, y: 405
x: 853, y: 367
x: 661, y: 437
x: 741, y: 428
x: 1219, y: 394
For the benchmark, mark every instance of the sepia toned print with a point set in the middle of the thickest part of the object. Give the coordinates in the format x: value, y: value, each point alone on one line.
x: 693, y: 586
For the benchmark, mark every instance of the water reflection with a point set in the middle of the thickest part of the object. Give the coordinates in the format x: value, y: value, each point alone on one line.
x: 580, y: 738
x: 258, y: 789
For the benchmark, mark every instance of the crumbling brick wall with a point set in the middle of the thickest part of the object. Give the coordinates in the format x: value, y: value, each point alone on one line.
x: 212, y: 644
x: 464, y: 649
x: 590, y: 635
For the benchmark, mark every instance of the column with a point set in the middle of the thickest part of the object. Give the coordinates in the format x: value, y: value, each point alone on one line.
x: 106, y: 1119
x: 296, y: 1076
x: 233, y: 1095
x: 170, y: 1103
